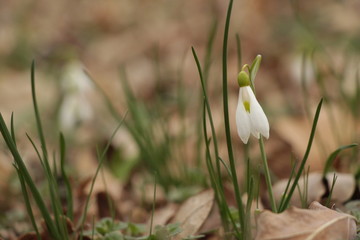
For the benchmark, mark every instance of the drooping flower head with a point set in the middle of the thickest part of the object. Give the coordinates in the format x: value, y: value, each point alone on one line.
x: 250, y: 117
x: 76, y: 87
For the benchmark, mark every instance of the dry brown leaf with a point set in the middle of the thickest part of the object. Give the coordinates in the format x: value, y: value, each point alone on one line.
x: 316, y: 189
x: 316, y: 223
x: 143, y: 190
x: 344, y: 186
x: 162, y: 216
x: 193, y: 212
x: 45, y: 235
x: 278, y: 153
x: 28, y: 236
x: 86, y: 164
x: 138, y: 215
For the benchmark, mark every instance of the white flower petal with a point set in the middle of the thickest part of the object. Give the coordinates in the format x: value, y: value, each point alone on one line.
x: 75, y: 79
x: 74, y: 109
x: 254, y: 132
x: 258, y: 119
x: 67, y: 114
x: 85, y: 111
x: 242, y: 120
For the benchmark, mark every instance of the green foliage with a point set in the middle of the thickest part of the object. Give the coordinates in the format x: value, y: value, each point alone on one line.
x: 56, y: 225
x: 353, y: 207
x: 107, y: 229
x: 165, y: 232
x: 108, y: 225
x: 159, y: 149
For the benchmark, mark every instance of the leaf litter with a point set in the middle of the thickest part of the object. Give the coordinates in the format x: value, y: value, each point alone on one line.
x: 315, y: 223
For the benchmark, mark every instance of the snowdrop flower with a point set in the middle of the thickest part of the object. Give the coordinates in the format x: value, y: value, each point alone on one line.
x: 250, y: 118
x: 75, y: 80
x: 75, y: 107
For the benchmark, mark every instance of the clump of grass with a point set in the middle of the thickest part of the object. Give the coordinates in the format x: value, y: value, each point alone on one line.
x: 160, y: 150
x: 55, y: 218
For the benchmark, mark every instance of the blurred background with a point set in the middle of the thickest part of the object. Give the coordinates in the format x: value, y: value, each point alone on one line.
x: 310, y: 50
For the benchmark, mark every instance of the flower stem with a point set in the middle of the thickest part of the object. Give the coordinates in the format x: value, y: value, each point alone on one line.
x: 267, y: 175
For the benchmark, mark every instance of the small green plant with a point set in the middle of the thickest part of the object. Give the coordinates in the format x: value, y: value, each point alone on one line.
x: 250, y: 120
x: 165, y: 232
x: 107, y: 229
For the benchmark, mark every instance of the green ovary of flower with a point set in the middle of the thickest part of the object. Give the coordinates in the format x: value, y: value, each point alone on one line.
x: 243, y: 79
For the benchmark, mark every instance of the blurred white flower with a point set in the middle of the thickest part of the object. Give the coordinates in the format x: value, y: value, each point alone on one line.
x: 250, y: 117
x: 75, y: 107
x: 301, y: 68
x: 75, y: 80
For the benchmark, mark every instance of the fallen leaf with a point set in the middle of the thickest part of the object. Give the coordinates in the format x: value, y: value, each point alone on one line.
x: 316, y: 223
x: 85, y: 159
x: 28, y: 236
x: 278, y: 152
x: 45, y: 235
x: 163, y: 215
x: 344, y: 186
x: 193, y: 212
x: 138, y: 215
x: 143, y: 190
x: 212, y: 222
x: 316, y: 189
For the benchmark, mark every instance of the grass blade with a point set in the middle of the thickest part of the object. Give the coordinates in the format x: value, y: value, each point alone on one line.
x: 53, y: 188
x: 306, y: 155
x: 219, y: 193
x: 23, y: 171
x: 37, y: 117
x: 12, y: 129
x: 27, y: 202
x: 83, y: 217
x: 208, y: 110
x: 333, y: 155
x: 292, y: 173
x: 69, y: 198
x: 331, y: 191
x: 227, y: 122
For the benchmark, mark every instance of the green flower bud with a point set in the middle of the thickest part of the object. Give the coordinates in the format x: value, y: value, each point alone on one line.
x: 243, y: 79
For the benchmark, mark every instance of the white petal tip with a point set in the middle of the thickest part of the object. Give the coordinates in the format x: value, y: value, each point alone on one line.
x: 267, y: 135
x: 245, y: 141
